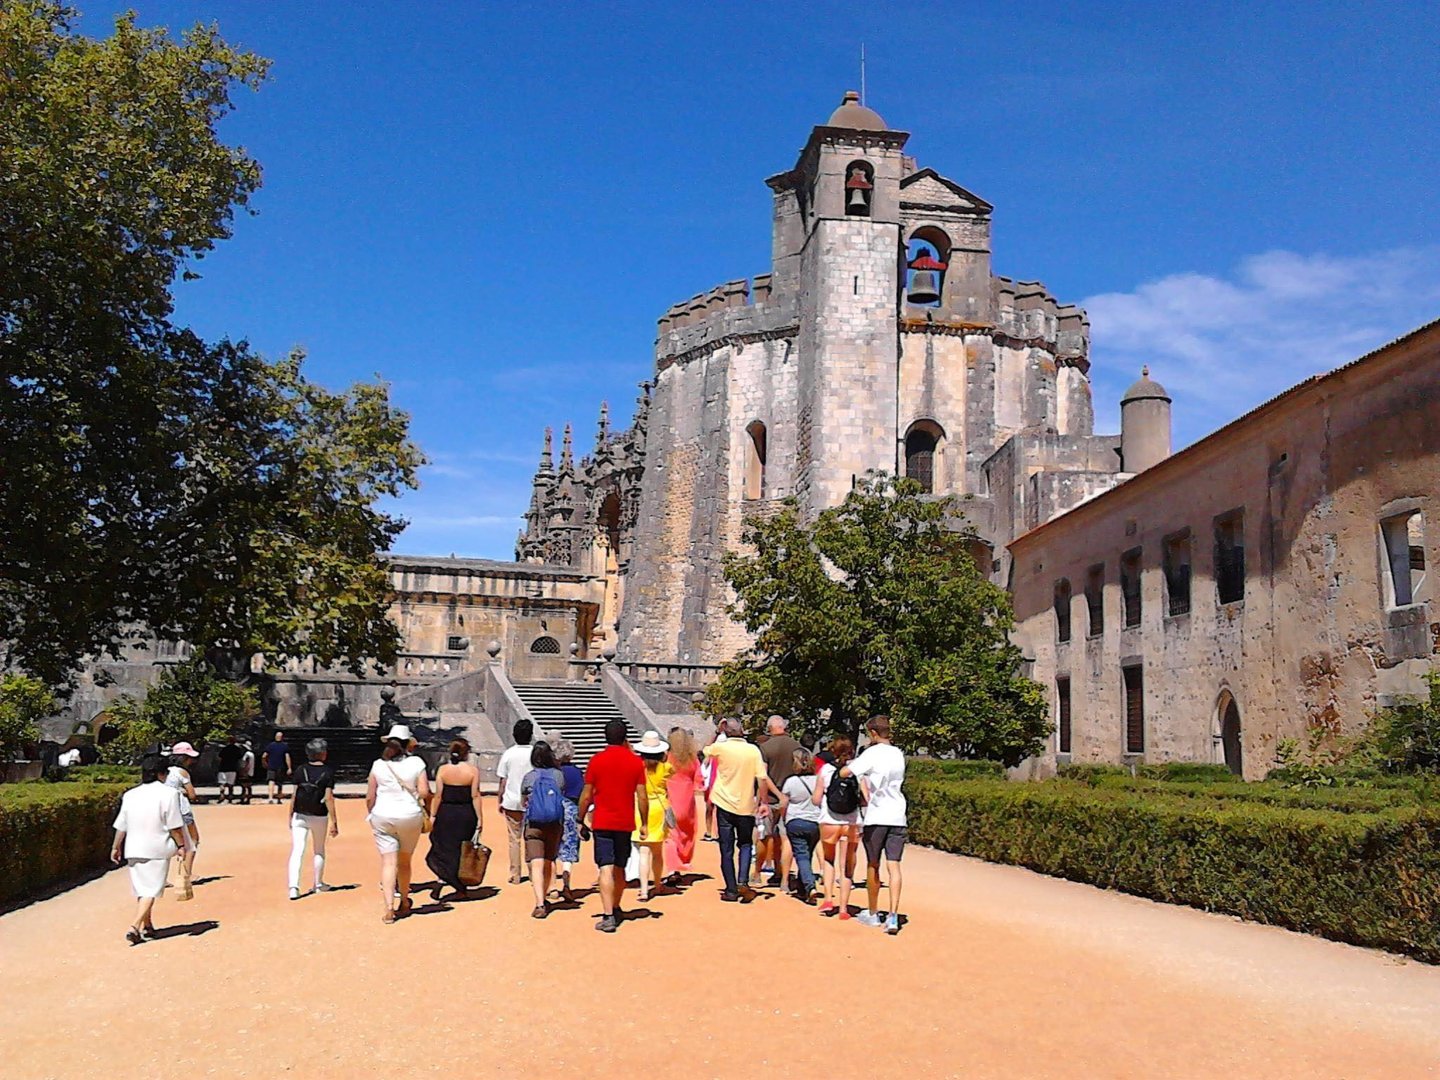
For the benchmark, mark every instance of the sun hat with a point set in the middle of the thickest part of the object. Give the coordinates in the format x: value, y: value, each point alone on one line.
x: 398, y: 731
x: 184, y: 749
x: 651, y: 743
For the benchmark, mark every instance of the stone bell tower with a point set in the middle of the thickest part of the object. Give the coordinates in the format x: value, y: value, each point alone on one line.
x: 846, y: 190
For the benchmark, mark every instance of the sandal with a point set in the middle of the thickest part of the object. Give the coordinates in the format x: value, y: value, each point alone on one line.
x: 540, y: 911
x: 388, y: 918
x: 404, y: 909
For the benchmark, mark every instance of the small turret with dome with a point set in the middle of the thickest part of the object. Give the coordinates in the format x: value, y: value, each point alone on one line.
x: 1144, y: 424
x: 855, y: 116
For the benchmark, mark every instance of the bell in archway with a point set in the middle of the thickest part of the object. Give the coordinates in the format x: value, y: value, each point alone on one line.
x: 859, y: 201
x: 924, y: 287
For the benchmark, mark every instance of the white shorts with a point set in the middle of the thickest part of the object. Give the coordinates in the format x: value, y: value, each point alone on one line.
x: 147, y: 876
x: 395, y: 834
x: 225, y: 779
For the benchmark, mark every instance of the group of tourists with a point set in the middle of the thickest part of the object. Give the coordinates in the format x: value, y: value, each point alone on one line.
x: 772, y: 805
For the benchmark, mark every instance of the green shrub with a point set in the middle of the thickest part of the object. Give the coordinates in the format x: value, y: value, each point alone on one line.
x: 24, y: 701
x: 1366, y: 878
x: 953, y: 769
x: 53, y: 833
x: 1406, y: 737
x: 1187, y: 772
x: 129, y: 775
x: 1093, y: 773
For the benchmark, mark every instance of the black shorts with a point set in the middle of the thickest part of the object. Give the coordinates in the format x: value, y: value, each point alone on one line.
x: 275, y: 776
x: 612, y: 847
x: 887, y: 838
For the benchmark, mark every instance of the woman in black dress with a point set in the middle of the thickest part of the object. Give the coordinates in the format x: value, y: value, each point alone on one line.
x: 456, y: 808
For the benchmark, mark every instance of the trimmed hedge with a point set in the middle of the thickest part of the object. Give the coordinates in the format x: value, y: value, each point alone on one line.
x: 953, y: 769
x: 1365, y: 878
x: 129, y: 775
x: 53, y: 833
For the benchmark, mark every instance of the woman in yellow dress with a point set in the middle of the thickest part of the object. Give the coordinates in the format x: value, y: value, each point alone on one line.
x: 650, y: 844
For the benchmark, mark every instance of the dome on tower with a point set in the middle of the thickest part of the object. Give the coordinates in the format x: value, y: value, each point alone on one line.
x: 1144, y: 389
x: 851, y: 114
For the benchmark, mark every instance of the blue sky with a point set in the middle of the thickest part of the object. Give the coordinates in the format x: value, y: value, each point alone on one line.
x: 490, y: 209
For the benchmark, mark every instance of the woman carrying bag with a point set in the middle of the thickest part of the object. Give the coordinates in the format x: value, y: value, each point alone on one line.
x: 459, y: 817
x: 397, y: 795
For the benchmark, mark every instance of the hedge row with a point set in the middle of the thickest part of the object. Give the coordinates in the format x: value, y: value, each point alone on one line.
x: 53, y: 833
x: 1366, y: 878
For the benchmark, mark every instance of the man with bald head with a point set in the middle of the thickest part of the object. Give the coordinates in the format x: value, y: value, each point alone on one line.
x: 774, y: 846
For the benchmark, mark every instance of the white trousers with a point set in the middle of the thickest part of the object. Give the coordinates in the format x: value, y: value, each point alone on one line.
x: 315, y: 827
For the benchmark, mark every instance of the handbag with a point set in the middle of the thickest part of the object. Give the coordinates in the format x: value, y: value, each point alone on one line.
x: 425, y: 823
x: 474, y: 861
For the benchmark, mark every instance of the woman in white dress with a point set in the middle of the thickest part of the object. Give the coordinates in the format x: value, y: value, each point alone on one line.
x: 148, y: 833
x: 178, y: 777
x: 397, y: 789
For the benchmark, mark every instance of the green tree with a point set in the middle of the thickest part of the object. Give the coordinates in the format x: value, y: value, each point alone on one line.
x: 148, y: 477
x: 24, y: 701
x: 877, y: 607
x: 190, y: 701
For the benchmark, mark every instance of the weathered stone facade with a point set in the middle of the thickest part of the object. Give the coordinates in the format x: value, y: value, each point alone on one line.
x: 842, y: 359
x: 1267, y: 581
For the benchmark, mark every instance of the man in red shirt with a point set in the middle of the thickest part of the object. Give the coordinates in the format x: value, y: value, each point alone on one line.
x: 615, y: 786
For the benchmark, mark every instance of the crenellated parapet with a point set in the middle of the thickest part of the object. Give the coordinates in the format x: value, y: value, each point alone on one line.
x: 1028, y: 315
x: 734, y: 311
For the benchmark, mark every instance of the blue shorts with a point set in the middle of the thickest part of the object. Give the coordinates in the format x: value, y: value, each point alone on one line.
x: 612, y: 847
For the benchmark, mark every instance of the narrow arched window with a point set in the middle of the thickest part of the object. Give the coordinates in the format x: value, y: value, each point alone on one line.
x: 755, y: 449
x: 927, y: 256
x: 1062, y: 610
x: 922, y: 450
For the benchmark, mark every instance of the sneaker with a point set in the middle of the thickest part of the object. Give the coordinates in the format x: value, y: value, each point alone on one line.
x: 775, y: 881
x: 322, y: 887
x: 730, y: 897
x: 892, y: 924
x: 869, y: 918
x: 607, y: 924
x: 845, y: 915
x: 294, y: 894
x: 827, y: 908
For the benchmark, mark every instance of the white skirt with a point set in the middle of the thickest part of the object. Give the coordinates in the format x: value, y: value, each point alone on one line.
x: 147, y: 876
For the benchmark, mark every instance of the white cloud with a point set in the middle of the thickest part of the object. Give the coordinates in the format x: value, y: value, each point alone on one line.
x: 1222, y: 346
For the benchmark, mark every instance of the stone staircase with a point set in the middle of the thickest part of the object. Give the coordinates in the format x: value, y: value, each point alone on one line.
x: 578, y: 711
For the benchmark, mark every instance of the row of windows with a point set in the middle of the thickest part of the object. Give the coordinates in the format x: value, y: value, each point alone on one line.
x: 1175, y: 564
x: 1133, y: 677
x: 922, y: 445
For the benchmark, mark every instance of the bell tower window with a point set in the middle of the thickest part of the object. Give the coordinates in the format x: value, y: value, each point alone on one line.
x: 755, y: 461
x: 923, y: 443
x: 927, y: 257
x: 859, y: 188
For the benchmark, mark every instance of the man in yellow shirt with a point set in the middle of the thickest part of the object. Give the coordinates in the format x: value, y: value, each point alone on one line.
x: 739, y: 772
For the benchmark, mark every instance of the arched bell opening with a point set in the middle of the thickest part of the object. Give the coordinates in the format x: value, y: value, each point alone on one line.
x: 927, y: 256
x: 859, y: 188
x: 924, y: 445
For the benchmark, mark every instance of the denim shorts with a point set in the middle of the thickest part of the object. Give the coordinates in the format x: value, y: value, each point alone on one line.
x: 612, y: 847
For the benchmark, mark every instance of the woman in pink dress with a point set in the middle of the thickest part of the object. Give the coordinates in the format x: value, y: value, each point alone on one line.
x: 682, y: 787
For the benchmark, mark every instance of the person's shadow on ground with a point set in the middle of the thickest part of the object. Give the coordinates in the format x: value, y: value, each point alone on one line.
x: 211, y: 879
x: 194, y: 929
x: 625, y: 915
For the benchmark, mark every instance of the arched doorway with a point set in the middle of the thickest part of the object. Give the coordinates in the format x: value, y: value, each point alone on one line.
x: 1230, y: 734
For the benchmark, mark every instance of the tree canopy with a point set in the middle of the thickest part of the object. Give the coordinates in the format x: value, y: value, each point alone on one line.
x: 878, y: 607
x: 148, y: 477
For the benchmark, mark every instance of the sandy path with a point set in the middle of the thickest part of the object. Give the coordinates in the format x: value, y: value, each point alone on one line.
x: 1000, y: 973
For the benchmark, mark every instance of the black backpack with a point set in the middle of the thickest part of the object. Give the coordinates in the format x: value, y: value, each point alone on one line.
x: 842, y: 794
x: 310, y: 791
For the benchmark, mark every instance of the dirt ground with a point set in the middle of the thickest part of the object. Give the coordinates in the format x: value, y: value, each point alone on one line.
x: 998, y: 973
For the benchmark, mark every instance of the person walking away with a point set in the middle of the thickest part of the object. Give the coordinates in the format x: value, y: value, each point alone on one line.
x: 178, y: 777
x: 779, y: 754
x: 839, y: 801
x: 682, y: 789
x: 739, y: 771
x: 570, y: 834
x: 802, y: 820
x: 880, y: 768
x: 277, y: 767
x: 395, y: 794
x: 247, y: 773
x: 457, y: 808
x: 707, y: 777
x: 615, y: 788
x: 312, y: 815
x: 542, y: 795
x: 651, y: 831
x: 148, y: 832
x: 511, y: 770
x: 228, y: 762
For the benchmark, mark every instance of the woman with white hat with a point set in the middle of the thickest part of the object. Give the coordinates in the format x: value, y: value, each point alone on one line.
x: 395, y: 796
x: 650, y: 842
x: 178, y: 777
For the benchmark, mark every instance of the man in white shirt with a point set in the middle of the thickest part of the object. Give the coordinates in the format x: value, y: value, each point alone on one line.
x: 514, y: 764
x: 881, y: 772
x: 148, y: 832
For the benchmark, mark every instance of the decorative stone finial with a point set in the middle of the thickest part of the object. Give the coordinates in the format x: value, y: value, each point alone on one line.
x: 566, y: 456
x: 546, y: 464
x: 493, y: 649
x: 1145, y: 371
x: 608, y: 655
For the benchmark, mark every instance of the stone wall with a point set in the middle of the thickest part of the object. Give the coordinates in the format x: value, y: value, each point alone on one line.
x: 1315, y: 640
